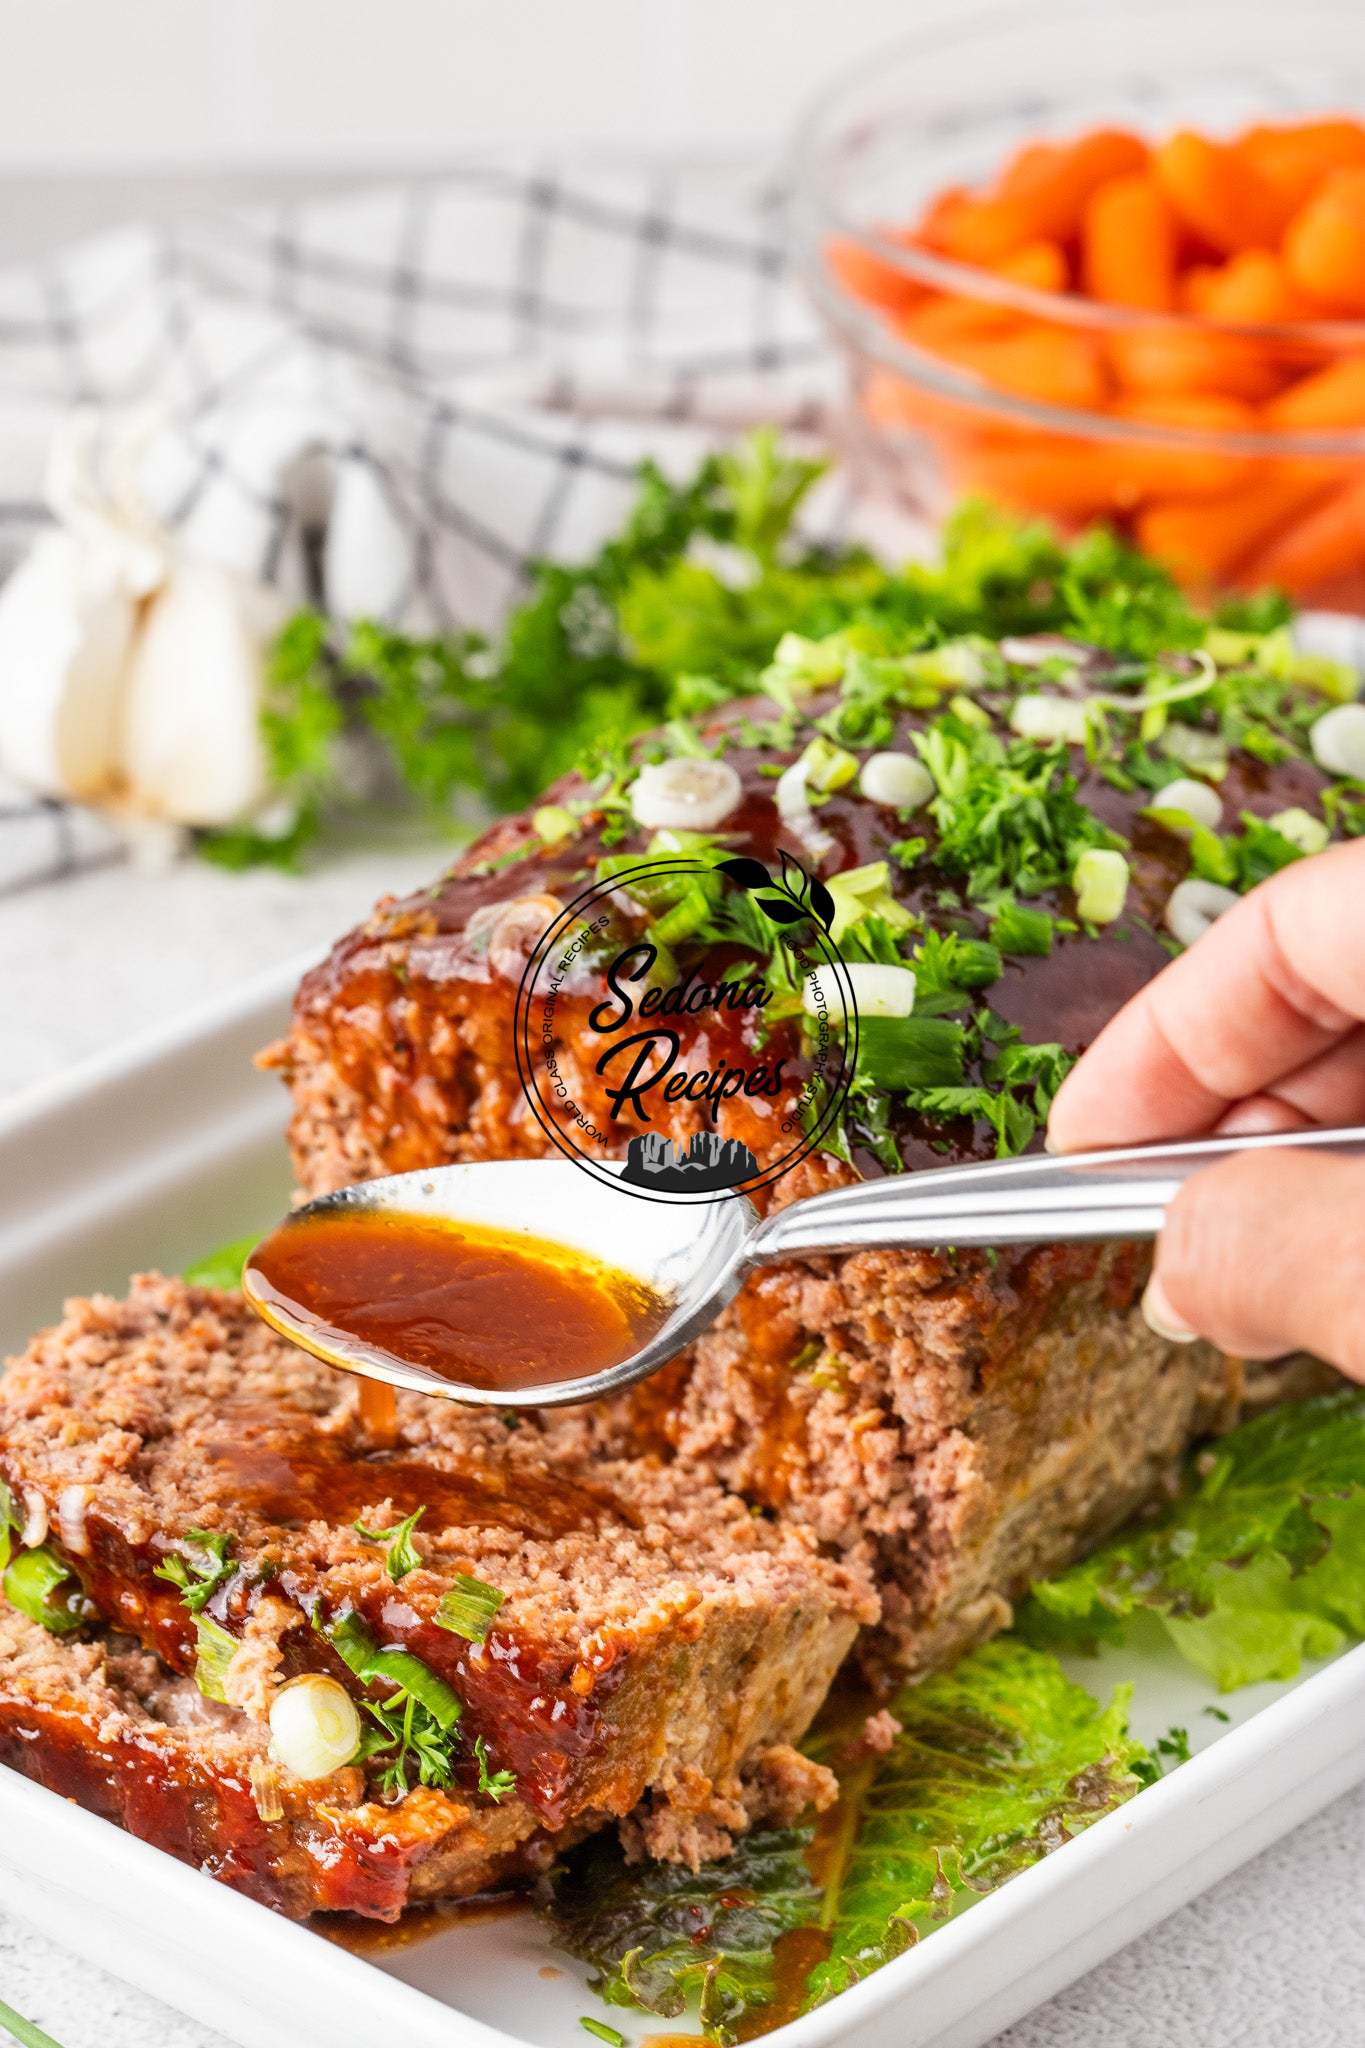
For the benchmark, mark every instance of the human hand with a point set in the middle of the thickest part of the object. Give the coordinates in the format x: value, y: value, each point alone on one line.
x: 1260, y: 1026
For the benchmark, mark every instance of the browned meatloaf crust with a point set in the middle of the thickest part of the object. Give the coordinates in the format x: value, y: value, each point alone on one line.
x: 957, y: 1423
x: 657, y: 1642
x: 102, y: 1721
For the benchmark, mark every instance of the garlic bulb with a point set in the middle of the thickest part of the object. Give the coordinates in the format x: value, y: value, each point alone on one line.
x: 901, y: 780
x: 1194, y: 905
x: 129, y: 676
x: 314, y: 1726
x: 696, y: 795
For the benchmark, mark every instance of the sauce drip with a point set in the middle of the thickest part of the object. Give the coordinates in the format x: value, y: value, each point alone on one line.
x: 489, y: 1308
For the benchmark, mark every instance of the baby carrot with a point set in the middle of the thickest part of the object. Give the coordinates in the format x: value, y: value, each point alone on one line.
x: 1166, y: 356
x: 1065, y: 476
x: 1128, y: 244
x: 1327, y: 543
x: 1297, y: 158
x: 1205, y: 540
x: 1172, y: 470
x: 1042, y: 198
x: 1220, y: 194
x: 1331, y: 397
x: 1251, y: 289
x: 871, y: 277
x: 1325, y: 246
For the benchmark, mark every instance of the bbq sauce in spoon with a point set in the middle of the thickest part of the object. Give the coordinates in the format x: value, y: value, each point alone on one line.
x: 492, y: 1309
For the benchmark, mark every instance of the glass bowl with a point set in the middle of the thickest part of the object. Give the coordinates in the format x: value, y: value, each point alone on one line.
x: 1204, y: 440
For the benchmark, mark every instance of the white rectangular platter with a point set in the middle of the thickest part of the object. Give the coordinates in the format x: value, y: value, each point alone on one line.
x: 153, y: 1156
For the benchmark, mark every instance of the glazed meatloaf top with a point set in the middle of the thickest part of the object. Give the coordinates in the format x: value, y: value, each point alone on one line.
x: 401, y: 1051
x: 608, y: 1626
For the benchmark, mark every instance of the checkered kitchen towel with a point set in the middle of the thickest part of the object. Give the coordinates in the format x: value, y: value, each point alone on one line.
x: 454, y: 377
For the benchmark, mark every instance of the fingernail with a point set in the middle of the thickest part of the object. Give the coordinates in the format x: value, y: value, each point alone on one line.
x: 1158, y: 1315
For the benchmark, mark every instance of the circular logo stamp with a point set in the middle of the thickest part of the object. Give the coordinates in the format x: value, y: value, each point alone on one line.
x: 689, y: 1083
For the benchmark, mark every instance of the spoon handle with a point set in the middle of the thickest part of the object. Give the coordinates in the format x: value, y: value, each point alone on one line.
x: 1037, y: 1200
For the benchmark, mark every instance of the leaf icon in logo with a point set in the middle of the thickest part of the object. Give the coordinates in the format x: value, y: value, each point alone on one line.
x: 821, y: 902
x: 794, y: 876
x: 744, y: 873
x: 780, y: 910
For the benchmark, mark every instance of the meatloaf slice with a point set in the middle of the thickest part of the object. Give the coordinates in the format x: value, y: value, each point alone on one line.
x: 653, y: 1640
x: 102, y: 1721
x: 953, y: 1422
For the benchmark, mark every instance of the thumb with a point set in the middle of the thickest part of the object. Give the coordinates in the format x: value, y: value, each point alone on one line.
x: 1265, y: 1253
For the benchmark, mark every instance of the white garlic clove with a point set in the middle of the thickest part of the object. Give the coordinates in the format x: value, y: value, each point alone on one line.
x: 691, y: 794
x: 64, y: 647
x: 1194, y: 905
x: 191, y: 744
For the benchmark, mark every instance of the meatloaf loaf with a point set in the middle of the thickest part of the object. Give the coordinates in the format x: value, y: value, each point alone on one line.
x: 956, y: 1422
x: 626, y: 1639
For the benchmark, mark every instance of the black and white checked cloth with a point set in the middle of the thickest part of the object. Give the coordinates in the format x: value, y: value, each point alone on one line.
x: 447, y: 379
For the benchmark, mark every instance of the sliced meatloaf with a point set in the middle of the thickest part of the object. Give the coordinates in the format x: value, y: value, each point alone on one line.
x: 637, y: 1636
x: 954, y: 1422
x: 101, y: 1721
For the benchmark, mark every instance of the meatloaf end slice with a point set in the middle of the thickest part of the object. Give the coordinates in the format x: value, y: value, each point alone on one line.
x: 102, y: 1721
x: 656, y: 1641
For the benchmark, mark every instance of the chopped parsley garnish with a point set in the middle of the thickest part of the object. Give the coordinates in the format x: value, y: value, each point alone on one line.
x: 403, y: 1554
x: 494, y: 1785
x: 416, y: 1721
x: 468, y: 1608
x: 201, y: 1568
x: 1017, y: 929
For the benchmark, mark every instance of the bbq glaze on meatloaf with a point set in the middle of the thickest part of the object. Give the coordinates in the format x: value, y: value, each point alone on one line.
x: 956, y: 1423
x: 655, y: 1649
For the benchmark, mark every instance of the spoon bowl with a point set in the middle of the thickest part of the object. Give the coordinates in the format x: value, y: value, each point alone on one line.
x: 691, y: 1255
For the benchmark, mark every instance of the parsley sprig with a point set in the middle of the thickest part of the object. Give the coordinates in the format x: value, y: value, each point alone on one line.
x: 201, y: 1568
x: 403, y: 1555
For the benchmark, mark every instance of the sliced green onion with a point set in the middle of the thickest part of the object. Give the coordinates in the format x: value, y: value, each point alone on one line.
x: 31, y: 1584
x: 222, y: 1268
x: 1100, y: 879
x: 827, y: 766
x: 215, y: 1649
x: 1301, y: 828
x: 613, y: 2036
x: 910, y: 1052
x: 468, y: 1607
x: 314, y: 1726
x: 358, y: 1650
x: 552, y: 823
x: 29, y: 2036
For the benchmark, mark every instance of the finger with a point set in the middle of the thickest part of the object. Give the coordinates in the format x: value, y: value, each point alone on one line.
x: 1264, y: 1254
x: 1267, y: 990
x: 1329, y: 1090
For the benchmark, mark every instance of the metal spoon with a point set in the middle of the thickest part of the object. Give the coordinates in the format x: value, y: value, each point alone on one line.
x: 695, y: 1255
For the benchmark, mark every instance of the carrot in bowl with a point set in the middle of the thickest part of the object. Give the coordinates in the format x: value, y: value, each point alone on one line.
x: 1325, y: 245
x: 1128, y: 244
x: 1328, y: 542
x: 1251, y: 289
x: 1327, y: 398
x: 1220, y: 194
x: 1206, y: 540
x: 1298, y: 156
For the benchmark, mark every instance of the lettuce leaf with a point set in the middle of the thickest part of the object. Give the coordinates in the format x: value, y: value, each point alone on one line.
x: 998, y: 1762
x: 1259, y: 1564
x: 223, y: 1267
x: 660, y: 1938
